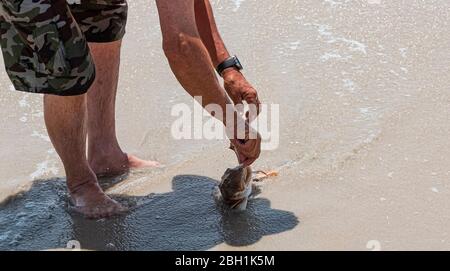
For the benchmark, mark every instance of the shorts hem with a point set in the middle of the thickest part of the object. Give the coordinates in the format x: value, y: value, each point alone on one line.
x: 75, y: 91
x: 104, y: 40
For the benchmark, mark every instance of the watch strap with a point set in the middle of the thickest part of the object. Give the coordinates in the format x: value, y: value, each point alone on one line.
x: 232, y: 61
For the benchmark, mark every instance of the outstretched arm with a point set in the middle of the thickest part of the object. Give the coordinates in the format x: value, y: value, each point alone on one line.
x: 237, y: 87
x: 191, y: 64
x: 209, y: 34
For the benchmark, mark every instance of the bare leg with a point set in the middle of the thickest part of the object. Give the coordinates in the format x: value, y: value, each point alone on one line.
x: 106, y: 158
x: 65, y: 118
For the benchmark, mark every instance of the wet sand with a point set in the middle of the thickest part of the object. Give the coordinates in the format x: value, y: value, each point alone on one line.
x: 363, y: 93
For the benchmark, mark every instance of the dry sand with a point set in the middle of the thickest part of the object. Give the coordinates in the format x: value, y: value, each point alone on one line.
x: 363, y: 89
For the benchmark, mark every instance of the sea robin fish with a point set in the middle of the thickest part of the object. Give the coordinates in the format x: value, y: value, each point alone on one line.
x: 236, y: 187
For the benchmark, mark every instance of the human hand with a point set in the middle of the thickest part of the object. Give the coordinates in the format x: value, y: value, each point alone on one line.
x: 248, y: 149
x: 239, y: 90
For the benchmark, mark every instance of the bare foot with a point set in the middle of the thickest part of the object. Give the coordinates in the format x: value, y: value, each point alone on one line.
x: 135, y: 162
x: 118, y: 164
x: 89, y: 200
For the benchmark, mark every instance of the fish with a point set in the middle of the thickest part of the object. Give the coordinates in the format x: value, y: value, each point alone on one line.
x: 236, y: 187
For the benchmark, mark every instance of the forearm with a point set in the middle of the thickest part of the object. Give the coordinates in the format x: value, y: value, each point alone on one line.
x: 209, y: 33
x: 189, y: 58
x: 192, y: 57
x: 189, y: 61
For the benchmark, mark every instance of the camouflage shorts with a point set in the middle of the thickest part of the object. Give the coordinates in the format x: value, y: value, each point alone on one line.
x: 45, y: 42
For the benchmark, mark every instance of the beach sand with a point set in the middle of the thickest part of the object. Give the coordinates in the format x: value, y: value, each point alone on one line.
x: 363, y: 90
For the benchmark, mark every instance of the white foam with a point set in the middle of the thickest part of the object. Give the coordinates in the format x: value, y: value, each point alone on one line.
x: 354, y: 45
x: 374, y: 2
x: 23, y: 102
x: 41, y: 136
x: 237, y: 4
x: 334, y: 3
x: 294, y: 45
x: 38, y: 114
x: 43, y: 169
x: 403, y: 52
x: 325, y: 31
x: 349, y: 84
x: 330, y: 55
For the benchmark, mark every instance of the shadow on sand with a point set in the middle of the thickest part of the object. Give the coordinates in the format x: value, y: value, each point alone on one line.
x: 188, y: 218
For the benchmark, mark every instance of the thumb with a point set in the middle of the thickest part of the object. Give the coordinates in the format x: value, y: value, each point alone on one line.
x: 241, y: 159
x: 236, y: 99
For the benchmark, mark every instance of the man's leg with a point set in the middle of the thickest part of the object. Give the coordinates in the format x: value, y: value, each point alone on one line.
x: 65, y: 118
x: 106, y: 158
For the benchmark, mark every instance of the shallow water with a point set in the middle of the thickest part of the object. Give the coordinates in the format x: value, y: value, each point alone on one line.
x: 340, y: 71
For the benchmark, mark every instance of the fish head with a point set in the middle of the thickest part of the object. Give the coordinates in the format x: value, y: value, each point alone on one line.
x: 234, y: 184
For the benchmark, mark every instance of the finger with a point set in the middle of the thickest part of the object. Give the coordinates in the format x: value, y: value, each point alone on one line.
x: 236, y: 99
x: 247, y: 159
x: 255, y: 109
x: 258, y: 105
x: 248, y: 162
x: 251, y: 154
x: 232, y: 147
x: 245, y: 152
x: 248, y: 146
x: 242, y: 159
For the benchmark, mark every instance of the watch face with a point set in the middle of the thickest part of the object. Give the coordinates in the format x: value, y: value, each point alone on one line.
x: 238, y: 64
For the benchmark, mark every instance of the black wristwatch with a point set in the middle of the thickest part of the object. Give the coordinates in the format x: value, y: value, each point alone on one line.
x: 232, y: 61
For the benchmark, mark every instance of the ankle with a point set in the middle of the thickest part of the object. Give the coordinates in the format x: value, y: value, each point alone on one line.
x: 101, y: 154
x: 76, y: 181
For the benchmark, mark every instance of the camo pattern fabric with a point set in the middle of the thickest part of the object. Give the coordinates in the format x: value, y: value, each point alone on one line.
x: 45, y: 42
